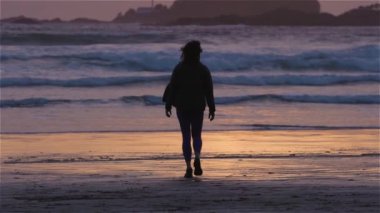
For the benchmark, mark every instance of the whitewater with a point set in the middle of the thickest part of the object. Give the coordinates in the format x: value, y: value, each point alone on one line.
x: 110, y: 77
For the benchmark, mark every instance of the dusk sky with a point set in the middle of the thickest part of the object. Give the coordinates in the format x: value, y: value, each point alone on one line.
x: 107, y: 10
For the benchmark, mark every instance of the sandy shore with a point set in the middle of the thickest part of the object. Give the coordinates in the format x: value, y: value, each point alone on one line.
x: 263, y: 171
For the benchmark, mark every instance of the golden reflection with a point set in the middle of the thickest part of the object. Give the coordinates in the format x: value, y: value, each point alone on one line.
x: 223, y: 142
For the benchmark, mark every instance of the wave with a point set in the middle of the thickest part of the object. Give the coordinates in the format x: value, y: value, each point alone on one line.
x: 83, y: 38
x: 81, y: 82
x: 294, y: 80
x: 150, y: 100
x: 103, y: 158
x: 362, y: 58
x: 305, y: 127
x: 355, y: 99
x: 41, y: 102
x: 278, y: 80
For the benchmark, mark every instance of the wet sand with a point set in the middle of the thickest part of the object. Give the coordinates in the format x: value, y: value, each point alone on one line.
x: 244, y: 171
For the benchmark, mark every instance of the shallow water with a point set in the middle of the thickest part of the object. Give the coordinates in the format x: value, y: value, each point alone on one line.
x: 139, y: 146
x: 110, y: 77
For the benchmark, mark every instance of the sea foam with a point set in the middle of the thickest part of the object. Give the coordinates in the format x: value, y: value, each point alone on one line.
x: 361, y: 58
x: 274, y: 80
x: 150, y: 100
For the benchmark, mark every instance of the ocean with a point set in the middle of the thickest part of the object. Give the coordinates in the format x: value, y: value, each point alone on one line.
x: 111, y: 77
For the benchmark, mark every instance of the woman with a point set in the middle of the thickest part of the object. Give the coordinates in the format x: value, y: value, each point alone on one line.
x: 189, y: 89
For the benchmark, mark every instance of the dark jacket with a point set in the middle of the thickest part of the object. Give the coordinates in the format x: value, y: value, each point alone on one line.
x: 190, y: 88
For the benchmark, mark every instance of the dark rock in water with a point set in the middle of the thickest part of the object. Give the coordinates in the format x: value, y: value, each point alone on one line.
x: 369, y: 15
x: 362, y: 16
x: 85, y: 20
x: 271, y: 18
x: 226, y: 11
x: 21, y: 20
x: 292, y: 18
x: 214, y: 8
x: 55, y: 20
x: 27, y: 20
x: 157, y: 15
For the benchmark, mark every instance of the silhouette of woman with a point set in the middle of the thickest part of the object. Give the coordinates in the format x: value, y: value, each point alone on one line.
x: 189, y: 90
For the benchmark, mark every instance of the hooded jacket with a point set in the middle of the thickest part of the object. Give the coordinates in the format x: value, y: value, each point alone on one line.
x: 190, y: 88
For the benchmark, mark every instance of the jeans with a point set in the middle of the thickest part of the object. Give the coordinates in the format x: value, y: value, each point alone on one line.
x: 191, y: 127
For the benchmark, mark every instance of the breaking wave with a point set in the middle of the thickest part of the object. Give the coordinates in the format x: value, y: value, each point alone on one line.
x: 356, y: 99
x: 41, y: 102
x: 83, y: 39
x: 363, y: 58
x: 294, y: 80
x: 150, y: 100
x: 278, y: 80
x: 81, y: 82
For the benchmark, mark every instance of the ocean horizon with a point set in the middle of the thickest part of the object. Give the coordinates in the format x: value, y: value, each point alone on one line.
x: 111, y: 77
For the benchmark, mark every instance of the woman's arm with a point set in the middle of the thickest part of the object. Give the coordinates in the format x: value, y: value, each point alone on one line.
x: 210, y: 95
x: 170, y: 92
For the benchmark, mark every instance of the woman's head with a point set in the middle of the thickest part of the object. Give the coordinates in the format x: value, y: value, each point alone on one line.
x: 191, y: 52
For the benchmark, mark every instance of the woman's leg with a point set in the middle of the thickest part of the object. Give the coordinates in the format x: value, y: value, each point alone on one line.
x: 196, y: 132
x: 184, y: 122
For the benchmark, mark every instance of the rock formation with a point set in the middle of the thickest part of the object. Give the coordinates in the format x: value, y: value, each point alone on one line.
x: 215, y: 8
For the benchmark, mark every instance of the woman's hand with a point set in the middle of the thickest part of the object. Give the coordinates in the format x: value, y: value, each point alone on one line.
x: 168, y: 112
x: 211, y: 116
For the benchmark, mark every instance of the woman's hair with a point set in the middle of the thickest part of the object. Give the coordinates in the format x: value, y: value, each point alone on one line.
x: 191, y: 52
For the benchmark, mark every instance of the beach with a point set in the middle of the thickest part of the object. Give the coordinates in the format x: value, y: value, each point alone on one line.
x: 244, y: 171
x: 83, y: 126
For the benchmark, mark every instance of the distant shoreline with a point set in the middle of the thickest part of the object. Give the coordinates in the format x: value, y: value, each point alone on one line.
x: 358, y: 17
x: 198, y: 25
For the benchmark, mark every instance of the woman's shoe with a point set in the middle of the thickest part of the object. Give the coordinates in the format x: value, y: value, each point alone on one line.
x: 198, y: 170
x: 189, y: 173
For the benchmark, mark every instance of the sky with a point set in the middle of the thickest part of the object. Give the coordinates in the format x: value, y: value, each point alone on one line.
x: 107, y: 10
